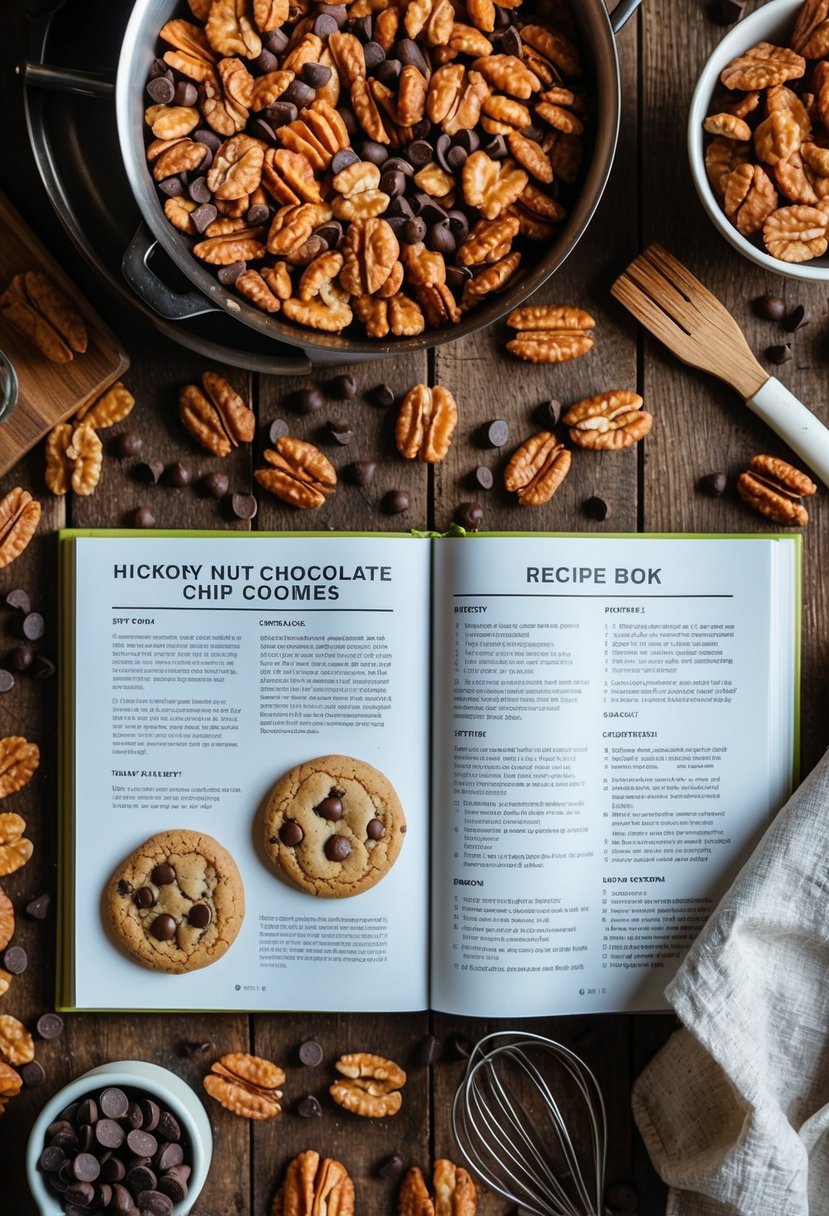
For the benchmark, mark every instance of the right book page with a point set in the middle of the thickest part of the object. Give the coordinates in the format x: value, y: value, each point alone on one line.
x: 614, y: 723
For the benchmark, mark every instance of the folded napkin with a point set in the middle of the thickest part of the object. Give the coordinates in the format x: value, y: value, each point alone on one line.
x: 734, y: 1110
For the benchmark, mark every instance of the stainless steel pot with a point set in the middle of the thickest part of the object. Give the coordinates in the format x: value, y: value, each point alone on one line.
x: 137, y: 54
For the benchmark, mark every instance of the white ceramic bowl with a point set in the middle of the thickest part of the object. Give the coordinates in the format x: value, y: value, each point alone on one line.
x: 771, y: 23
x: 163, y: 1085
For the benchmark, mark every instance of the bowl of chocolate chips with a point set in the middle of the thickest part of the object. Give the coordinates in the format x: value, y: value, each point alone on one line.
x: 126, y: 1137
x: 361, y: 179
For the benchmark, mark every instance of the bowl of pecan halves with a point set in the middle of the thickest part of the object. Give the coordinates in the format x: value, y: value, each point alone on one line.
x: 368, y: 176
x: 758, y: 138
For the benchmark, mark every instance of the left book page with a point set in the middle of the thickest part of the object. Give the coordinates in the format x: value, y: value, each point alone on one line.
x: 200, y: 670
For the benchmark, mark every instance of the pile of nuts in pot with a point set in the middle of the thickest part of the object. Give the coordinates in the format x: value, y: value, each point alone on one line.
x: 768, y: 162
x: 372, y: 168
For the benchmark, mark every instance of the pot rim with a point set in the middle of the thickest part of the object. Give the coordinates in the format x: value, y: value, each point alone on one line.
x: 129, y: 120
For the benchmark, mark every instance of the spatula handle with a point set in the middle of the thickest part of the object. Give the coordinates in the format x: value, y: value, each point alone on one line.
x: 792, y: 421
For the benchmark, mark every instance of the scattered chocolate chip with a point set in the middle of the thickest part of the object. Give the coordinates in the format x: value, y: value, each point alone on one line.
x: 214, y: 485
x: 50, y: 1026
x: 291, y: 833
x: 309, y: 400
x: 309, y: 1107
x: 726, y: 12
x: 33, y: 627
x: 341, y: 388
x: 713, y: 484
x: 243, y: 506
x: 769, y: 307
x: 278, y: 429
x: 390, y: 1167
x: 143, y: 518
x: 339, y: 430
x: 32, y: 1074
x: 396, y: 502
x: 42, y: 667
x: 203, y: 135
x: 497, y: 433
x: 15, y: 960
x: 189, y: 1048
x: 483, y: 477
x: 129, y: 443
x: 337, y: 848
x: 428, y: 1051
x: 414, y: 230
x: 22, y: 657
x: 597, y: 508
x: 458, y: 1046
x: 6, y: 680
x: 549, y: 413
x: 150, y: 471
x: 797, y: 319
x: 19, y: 600
x: 779, y: 354
x: 177, y: 476
x: 361, y: 472
x: 38, y: 908
x: 621, y: 1197
x: 511, y: 42
x: 381, y: 396
x: 310, y: 1053
x: 469, y: 515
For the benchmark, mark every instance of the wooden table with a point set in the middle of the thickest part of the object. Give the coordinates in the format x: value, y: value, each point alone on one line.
x: 700, y: 427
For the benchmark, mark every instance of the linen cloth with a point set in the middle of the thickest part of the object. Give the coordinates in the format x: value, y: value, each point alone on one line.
x: 734, y: 1109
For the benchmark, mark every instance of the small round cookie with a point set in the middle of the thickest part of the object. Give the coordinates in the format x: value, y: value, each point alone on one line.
x: 177, y: 902
x: 334, y: 826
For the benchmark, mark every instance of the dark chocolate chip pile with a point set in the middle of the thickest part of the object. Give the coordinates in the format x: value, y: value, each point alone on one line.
x: 116, y: 1151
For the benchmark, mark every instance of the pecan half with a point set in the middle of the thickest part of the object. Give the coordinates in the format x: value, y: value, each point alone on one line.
x: 762, y: 66
x: 455, y: 1192
x: 114, y: 406
x: 776, y: 489
x: 216, y: 415
x: 19, y: 517
x: 426, y: 423
x: 370, y: 251
x: 86, y: 452
x: 536, y: 469
x: 15, y: 849
x: 315, y: 1185
x: 370, y: 1086
x: 34, y: 306
x: 230, y: 29
x: 6, y: 919
x: 16, y: 1044
x: 750, y: 198
x: 246, y: 1085
x: 18, y: 763
x: 490, y: 185
x: 608, y: 421
x: 796, y: 234
x: 550, y: 334
x: 721, y: 157
x: 298, y: 473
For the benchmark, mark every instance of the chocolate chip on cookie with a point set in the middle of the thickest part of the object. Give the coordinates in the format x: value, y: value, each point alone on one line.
x: 334, y: 826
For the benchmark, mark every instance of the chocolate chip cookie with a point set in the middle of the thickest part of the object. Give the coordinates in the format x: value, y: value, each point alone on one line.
x: 334, y: 826
x: 177, y: 902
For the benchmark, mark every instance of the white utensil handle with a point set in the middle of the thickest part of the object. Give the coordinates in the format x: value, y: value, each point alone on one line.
x: 790, y: 419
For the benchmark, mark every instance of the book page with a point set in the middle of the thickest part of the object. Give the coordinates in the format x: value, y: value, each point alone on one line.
x: 613, y: 728
x: 206, y: 667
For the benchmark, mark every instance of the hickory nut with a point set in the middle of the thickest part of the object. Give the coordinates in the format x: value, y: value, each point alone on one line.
x: 314, y: 1185
x: 609, y: 421
x: 776, y: 489
x: 298, y: 473
x: 19, y: 517
x: 454, y: 1189
x: 536, y: 469
x: 426, y: 423
x: 370, y: 1086
x: 246, y: 1085
x: 18, y: 763
x: 549, y: 334
x: 217, y: 417
x: 15, y: 849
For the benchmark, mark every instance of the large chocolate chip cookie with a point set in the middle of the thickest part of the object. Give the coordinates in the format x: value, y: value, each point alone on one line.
x: 334, y: 826
x: 177, y: 902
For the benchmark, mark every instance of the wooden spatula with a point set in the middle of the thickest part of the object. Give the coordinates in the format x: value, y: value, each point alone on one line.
x: 696, y: 326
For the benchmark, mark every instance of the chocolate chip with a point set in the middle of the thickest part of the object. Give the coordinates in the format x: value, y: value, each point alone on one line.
x: 42, y: 667
x: 597, y: 508
x: 408, y: 52
x: 497, y: 433
x: 338, y: 11
x: 291, y: 833
x: 216, y: 485
x: 259, y: 213
x: 309, y: 400
x: 277, y: 430
x: 337, y: 848
x: 726, y: 12
x: 177, y: 476
x: 243, y: 506
x: 19, y: 600
x: 428, y: 1051
x: 457, y: 277
x: 398, y: 208
x: 342, y: 159
x: 797, y: 318
x: 263, y: 130
x: 496, y: 148
x: 168, y: 1126
x: 341, y: 388
x: 393, y: 183
x: 186, y: 94
x: 483, y: 477
x: 310, y: 1053
x: 163, y: 928
x: 549, y: 413
x: 143, y: 518
x: 154, y: 1203
x: 414, y: 230
x: 374, y: 153
x: 396, y: 502
x: 140, y: 1178
x: 174, y: 1183
x: 33, y: 627
x: 388, y: 72
x: 361, y: 27
x: 199, y: 190
x: 149, y: 471
x: 38, y: 908
x: 279, y: 113
x: 316, y: 75
x: 299, y: 94
x: 779, y: 354
x: 331, y: 233
x: 168, y: 1155
x: 51, y: 1159
x: 203, y: 135
x: 150, y: 1113
x: 194, y: 1047
x: 419, y: 152
x: 163, y: 874
x: 80, y: 1192
x: 390, y: 1167
x: 381, y: 396
x: 22, y: 657
x: 32, y: 1074
x: 50, y: 1026
x: 86, y: 1167
x: 141, y: 1142
x: 330, y: 809
x: 713, y: 484
x: 228, y: 275
x: 161, y: 90
x: 114, y: 1103
x: 309, y: 1107
x: 124, y: 887
x: 769, y: 307
x: 511, y: 42
x: 199, y: 916
x: 439, y: 238
x: 469, y: 515
x: 109, y: 1133
x: 203, y: 217
x: 6, y: 680
x: 121, y: 1201
x: 275, y: 41
x: 15, y: 960
x: 129, y: 443
x: 265, y: 62
x: 113, y: 1169
x: 325, y: 26
x: 360, y: 472
x: 172, y: 187
x: 339, y: 430
x: 374, y: 55
x: 375, y: 829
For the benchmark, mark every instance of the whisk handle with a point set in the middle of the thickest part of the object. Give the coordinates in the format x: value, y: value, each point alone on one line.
x: 791, y: 420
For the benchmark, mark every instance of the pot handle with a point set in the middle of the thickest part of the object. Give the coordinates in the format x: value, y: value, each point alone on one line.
x: 173, y: 305
x: 622, y: 12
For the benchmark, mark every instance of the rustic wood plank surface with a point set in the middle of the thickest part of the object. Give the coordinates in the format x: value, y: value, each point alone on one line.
x: 700, y: 427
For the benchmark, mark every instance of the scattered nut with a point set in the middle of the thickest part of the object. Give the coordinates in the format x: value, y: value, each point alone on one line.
x: 371, y: 1085
x: 536, y: 469
x: 548, y: 334
x: 426, y: 423
x: 19, y: 517
x: 313, y: 1186
x: 776, y: 489
x: 608, y: 421
x: 246, y: 1085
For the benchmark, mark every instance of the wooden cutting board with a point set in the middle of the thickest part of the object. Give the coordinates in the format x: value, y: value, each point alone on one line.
x: 49, y: 392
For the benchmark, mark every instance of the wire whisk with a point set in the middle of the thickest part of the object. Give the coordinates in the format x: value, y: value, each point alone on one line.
x: 510, y: 1127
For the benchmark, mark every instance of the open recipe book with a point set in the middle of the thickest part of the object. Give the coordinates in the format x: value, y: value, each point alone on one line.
x: 586, y: 733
